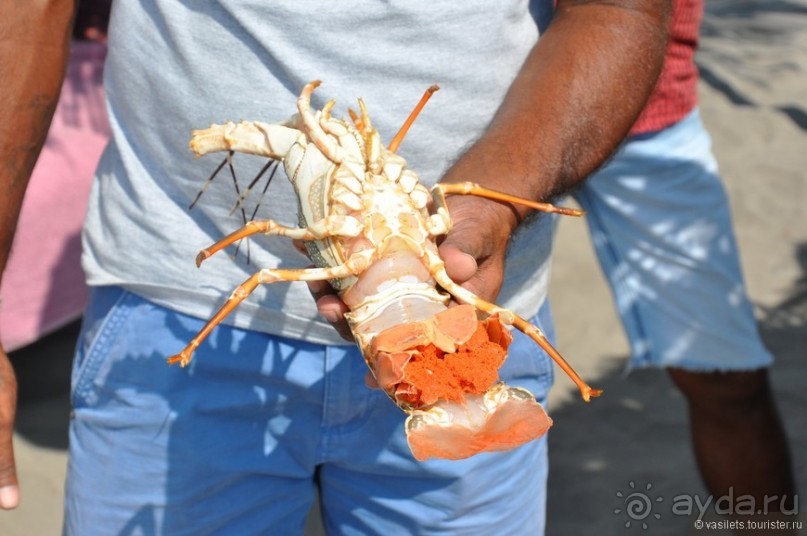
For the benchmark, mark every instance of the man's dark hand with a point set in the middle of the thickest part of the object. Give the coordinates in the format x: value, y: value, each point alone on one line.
x: 474, y: 249
x: 9, y: 489
x: 331, y: 307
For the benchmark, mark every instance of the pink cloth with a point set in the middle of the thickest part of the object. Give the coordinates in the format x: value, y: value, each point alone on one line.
x: 43, y: 286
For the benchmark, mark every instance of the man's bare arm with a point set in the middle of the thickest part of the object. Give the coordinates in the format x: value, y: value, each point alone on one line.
x: 34, y: 41
x: 574, y: 100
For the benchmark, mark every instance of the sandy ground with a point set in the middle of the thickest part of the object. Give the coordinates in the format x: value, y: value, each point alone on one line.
x: 753, y: 60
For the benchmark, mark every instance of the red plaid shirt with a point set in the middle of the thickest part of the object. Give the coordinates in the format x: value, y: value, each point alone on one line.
x: 676, y: 91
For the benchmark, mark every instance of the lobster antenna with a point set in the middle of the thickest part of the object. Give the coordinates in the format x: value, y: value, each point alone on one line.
x: 274, y: 165
x: 265, y: 187
x: 396, y: 141
x: 243, y: 197
x: 238, y: 194
x: 208, y: 182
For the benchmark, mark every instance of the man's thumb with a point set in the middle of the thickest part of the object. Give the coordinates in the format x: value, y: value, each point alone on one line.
x: 9, y: 488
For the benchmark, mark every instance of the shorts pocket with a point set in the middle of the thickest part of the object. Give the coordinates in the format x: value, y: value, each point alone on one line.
x: 105, y: 316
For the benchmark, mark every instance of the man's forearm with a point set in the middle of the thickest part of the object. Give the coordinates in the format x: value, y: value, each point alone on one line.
x: 34, y: 39
x: 576, y: 97
x: 34, y: 43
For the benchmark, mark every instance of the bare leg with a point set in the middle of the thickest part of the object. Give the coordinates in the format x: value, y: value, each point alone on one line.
x: 737, y: 436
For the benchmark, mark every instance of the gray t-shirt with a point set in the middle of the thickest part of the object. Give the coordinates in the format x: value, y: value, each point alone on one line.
x: 175, y: 66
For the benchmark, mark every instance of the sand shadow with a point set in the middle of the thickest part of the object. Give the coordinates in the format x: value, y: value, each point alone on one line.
x: 756, y: 25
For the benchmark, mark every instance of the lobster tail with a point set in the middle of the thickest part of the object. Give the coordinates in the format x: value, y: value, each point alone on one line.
x: 443, y: 371
x: 501, y: 419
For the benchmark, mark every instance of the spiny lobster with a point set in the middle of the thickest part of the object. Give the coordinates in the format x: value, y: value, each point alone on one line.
x: 366, y: 223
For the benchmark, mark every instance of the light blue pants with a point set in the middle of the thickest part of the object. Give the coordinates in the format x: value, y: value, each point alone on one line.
x: 661, y: 226
x: 237, y: 442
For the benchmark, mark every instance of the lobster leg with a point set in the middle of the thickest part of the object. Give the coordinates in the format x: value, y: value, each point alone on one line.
x: 328, y: 146
x: 396, y: 141
x: 357, y: 263
x: 439, y: 222
x: 335, y: 225
x: 364, y: 124
x: 251, y: 137
x: 470, y: 188
x: 506, y: 316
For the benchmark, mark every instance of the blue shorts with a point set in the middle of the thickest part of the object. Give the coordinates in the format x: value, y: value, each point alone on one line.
x: 660, y: 222
x: 238, y: 442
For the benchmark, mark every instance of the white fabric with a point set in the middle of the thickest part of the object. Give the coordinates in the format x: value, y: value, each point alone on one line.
x: 175, y: 66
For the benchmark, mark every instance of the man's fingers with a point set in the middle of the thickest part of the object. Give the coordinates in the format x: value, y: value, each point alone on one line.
x: 460, y: 266
x: 9, y: 488
x: 10, y: 497
x: 299, y: 245
x: 331, y: 307
x: 474, y: 250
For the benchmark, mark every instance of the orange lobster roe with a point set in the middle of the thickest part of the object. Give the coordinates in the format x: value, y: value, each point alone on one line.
x: 434, y: 374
